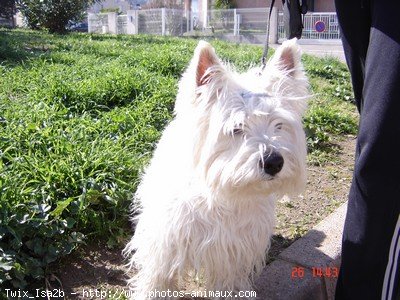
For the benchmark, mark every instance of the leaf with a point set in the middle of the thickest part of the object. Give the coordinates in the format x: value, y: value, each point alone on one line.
x: 41, y: 208
x: 38, y: 247
x: 61, y: 206
x: 94, y: 196
x: 37, y: 273
x: 31, y: 127
x: 70, y: 222
x: 6, y: 266
x: 76, y: 237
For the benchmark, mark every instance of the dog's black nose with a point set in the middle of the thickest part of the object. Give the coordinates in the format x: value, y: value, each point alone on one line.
x: 272, y: 163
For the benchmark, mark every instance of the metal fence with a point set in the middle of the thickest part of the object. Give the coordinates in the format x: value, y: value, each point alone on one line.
x: 161, y: 21
x: 5, y: 22
x: 122, y: 24
x: 243, y: 25
x: 222, y: 21
x: 317, y: 26
x: 253, y: 21
x: 98, y: 23
x: 327, y: 23
x: 151, y: 21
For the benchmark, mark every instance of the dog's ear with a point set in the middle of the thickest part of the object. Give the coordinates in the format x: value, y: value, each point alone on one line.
x: 204, y: 66
x: 288, y: 77
x: 204, y: 58
x: 287, y: 58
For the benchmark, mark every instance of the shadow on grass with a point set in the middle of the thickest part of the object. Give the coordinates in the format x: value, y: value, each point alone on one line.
x: 17, y: 46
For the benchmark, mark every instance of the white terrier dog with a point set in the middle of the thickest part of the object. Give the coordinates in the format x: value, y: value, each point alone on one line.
x: 235, y: 146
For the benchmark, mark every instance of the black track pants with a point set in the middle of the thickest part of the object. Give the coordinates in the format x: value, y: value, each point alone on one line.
x: 371, y: 245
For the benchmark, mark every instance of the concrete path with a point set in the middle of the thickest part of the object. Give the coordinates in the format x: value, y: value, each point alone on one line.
x: 321, y: 49
x: 308, y: 269
x: 324, y: 50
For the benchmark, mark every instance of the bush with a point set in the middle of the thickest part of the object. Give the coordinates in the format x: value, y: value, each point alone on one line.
x: 224, y: 4
x: 7, y: 9
x: 53, y: 15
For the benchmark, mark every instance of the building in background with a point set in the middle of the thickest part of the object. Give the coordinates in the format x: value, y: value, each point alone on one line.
x: 200, y: 6
x: 118, y: 5
x: 313, y: 5
x: 198, y: 9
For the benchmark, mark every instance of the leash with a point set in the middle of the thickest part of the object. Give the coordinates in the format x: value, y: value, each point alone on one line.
x: 266, y: 45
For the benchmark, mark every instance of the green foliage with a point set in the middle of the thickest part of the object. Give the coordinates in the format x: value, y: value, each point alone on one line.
x: 336, y: 75
x: 107, y: 10
x: 171, y: 4
x: 53, y: 15
x: 79, y: 118
x: 77, y: 123
x: 7, y: 9
x: 224, y: 4
x: 331, y: 111
x: 320, y: 123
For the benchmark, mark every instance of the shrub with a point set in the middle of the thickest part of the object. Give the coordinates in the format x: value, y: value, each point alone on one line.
x: 53, y: 15
x: 7, y: 9
x: 224, y: 4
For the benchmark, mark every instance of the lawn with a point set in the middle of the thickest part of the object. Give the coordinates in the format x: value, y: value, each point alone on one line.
x: 79, y: 117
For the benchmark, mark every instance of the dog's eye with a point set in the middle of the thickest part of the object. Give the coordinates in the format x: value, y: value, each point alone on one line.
x: 278, y: 126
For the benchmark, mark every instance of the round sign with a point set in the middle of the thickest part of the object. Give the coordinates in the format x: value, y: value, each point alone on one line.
x: 320, y: 26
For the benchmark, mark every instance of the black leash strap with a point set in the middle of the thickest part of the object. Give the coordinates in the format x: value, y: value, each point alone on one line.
x: 265, y: 53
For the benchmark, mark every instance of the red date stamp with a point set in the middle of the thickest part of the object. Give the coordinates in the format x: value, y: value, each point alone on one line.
x: 328, y: 272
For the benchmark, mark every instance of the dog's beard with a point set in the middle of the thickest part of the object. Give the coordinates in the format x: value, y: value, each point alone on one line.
x: 229, y: 157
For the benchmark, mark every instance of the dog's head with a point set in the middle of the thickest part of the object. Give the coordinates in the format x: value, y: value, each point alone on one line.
x: 247, y: 127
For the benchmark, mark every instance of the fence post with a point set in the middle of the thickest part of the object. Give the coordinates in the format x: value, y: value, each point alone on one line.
x: 112, y: 22
x: 132, y: 24
x: 187, y: 20
x: 90, y: 27
x: 163, y: 19
x: 19, y: 20
x: 273, y: 29
x: 235, y: 24
x: 182, y: 19
x: 192, y: 16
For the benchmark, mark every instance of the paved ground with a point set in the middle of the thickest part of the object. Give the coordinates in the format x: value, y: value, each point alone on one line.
x: 308, y: 269
x: 321, y: 49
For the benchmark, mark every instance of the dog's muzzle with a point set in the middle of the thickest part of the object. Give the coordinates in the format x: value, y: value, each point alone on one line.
x: 272, y: 163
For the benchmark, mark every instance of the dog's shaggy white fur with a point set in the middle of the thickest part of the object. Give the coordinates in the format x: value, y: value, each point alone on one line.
x: 235, y: 146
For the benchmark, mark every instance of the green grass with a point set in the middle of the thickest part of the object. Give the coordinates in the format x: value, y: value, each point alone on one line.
x: 79, y: 117
x: 331, y: 113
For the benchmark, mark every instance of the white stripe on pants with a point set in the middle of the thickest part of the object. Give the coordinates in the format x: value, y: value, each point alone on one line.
x: 390, y: 274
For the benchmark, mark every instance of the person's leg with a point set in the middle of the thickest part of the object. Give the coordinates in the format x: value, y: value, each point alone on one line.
x: 355, y: 24
x: 292, y: 19
x: 370, y: 240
